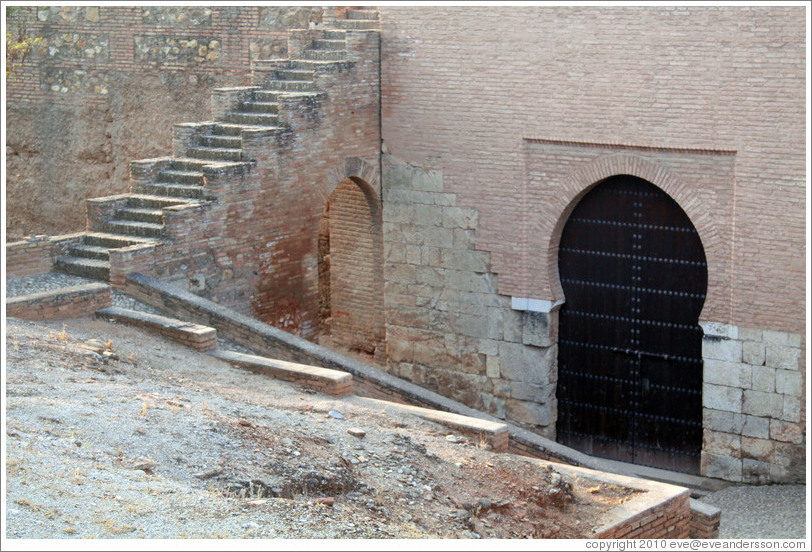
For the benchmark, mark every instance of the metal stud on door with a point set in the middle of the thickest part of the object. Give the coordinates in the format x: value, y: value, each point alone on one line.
x: 634, y: 276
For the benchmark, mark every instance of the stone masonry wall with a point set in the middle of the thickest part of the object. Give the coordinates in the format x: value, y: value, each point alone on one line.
x: 753, y: 405
x: 107, y: 85
x: 447, y: 329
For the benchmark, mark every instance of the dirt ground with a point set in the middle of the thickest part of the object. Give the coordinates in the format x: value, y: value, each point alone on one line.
x: 112, y: 432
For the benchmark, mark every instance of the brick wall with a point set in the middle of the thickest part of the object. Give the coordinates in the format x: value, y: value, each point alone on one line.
x: 474, y: 83
x: 255, y: 247
x: 518, y: 111
x: 69, y: 302
x: 35, y: 255
x: 106, y: 87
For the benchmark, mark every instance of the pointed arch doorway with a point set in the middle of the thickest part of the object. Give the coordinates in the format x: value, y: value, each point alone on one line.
x: 634, y: 276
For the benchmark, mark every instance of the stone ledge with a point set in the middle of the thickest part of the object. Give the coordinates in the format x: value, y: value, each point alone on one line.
x: 200, y: 338
x: 495, y: 433
x: 332, y: 382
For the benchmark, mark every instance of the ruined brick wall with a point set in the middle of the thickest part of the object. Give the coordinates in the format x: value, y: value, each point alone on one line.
x: 516, y: 112
x: 106, y: 87
x: 256, y: 248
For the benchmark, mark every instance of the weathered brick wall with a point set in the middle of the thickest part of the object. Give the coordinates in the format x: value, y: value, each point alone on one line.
x: 106, y: 87
x: 670, y: 519
x: 464, y: 87
x: 255, y: 249
x: 69, y: 302
x: 35, y: 255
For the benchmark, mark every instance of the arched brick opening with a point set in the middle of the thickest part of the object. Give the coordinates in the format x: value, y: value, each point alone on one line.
x: 587, y: 177
x: 350, y: 253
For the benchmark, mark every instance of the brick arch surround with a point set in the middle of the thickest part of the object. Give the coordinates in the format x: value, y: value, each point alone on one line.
x: 583, y: 179
x: 358, y: 169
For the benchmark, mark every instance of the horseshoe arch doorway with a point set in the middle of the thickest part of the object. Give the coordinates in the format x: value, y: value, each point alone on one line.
x: 634, y: 276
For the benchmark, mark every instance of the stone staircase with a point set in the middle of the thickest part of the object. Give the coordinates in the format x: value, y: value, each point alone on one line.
x: 181, y: 181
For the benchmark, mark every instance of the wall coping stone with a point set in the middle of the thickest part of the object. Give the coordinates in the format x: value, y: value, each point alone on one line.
x: 333, y: 382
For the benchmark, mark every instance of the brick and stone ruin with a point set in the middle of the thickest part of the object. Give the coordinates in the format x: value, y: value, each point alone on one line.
x: 597, y: 240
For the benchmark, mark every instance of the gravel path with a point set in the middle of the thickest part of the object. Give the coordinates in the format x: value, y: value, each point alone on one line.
x: 766, y: 512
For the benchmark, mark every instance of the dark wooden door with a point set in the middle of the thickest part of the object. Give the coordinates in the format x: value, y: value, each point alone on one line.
x: 634, y: 276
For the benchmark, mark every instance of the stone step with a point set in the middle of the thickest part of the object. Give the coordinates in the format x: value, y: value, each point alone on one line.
x: 328, y: 44
x: 133, y: 228
x: 221, y: 141
x: 153, y: 201
x: 141, y: 214
x: 113, y: 241
x: 362, y: 14
x: 259, y: 119
x: 316, y: 65
x: 87, y: 251
x: 269, y: 96
x: 292, y: 86
x: 259, y: 107
x: 196, y: 336
x: 187, y: 164
x: 93, y: 269
x: 174, y: 176
x: 233, y: 129
x: 169, y: 189
x: 357, y: 24
x: 325, y: 55
x: 215, y: 154
x: 294, y: 74
x: 335, y: 34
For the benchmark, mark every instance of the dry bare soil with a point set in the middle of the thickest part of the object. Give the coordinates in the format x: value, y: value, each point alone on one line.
x: 112, y: 432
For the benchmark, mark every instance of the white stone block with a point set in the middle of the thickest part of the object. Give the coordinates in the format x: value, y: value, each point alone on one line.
x: 722, y: 349
x: 789, y: 382
x: 753, y: 353
x: 717, y: 329
x: 757, y: 403
x: 792, y: 409
x: 728, y: 422
x: 492, y: 366
x: 731, y: 374
x: 763, y: 379
x: 721, y: 467
x: 721, y: 397
x: 755, y: 426
x: 785, y: 358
